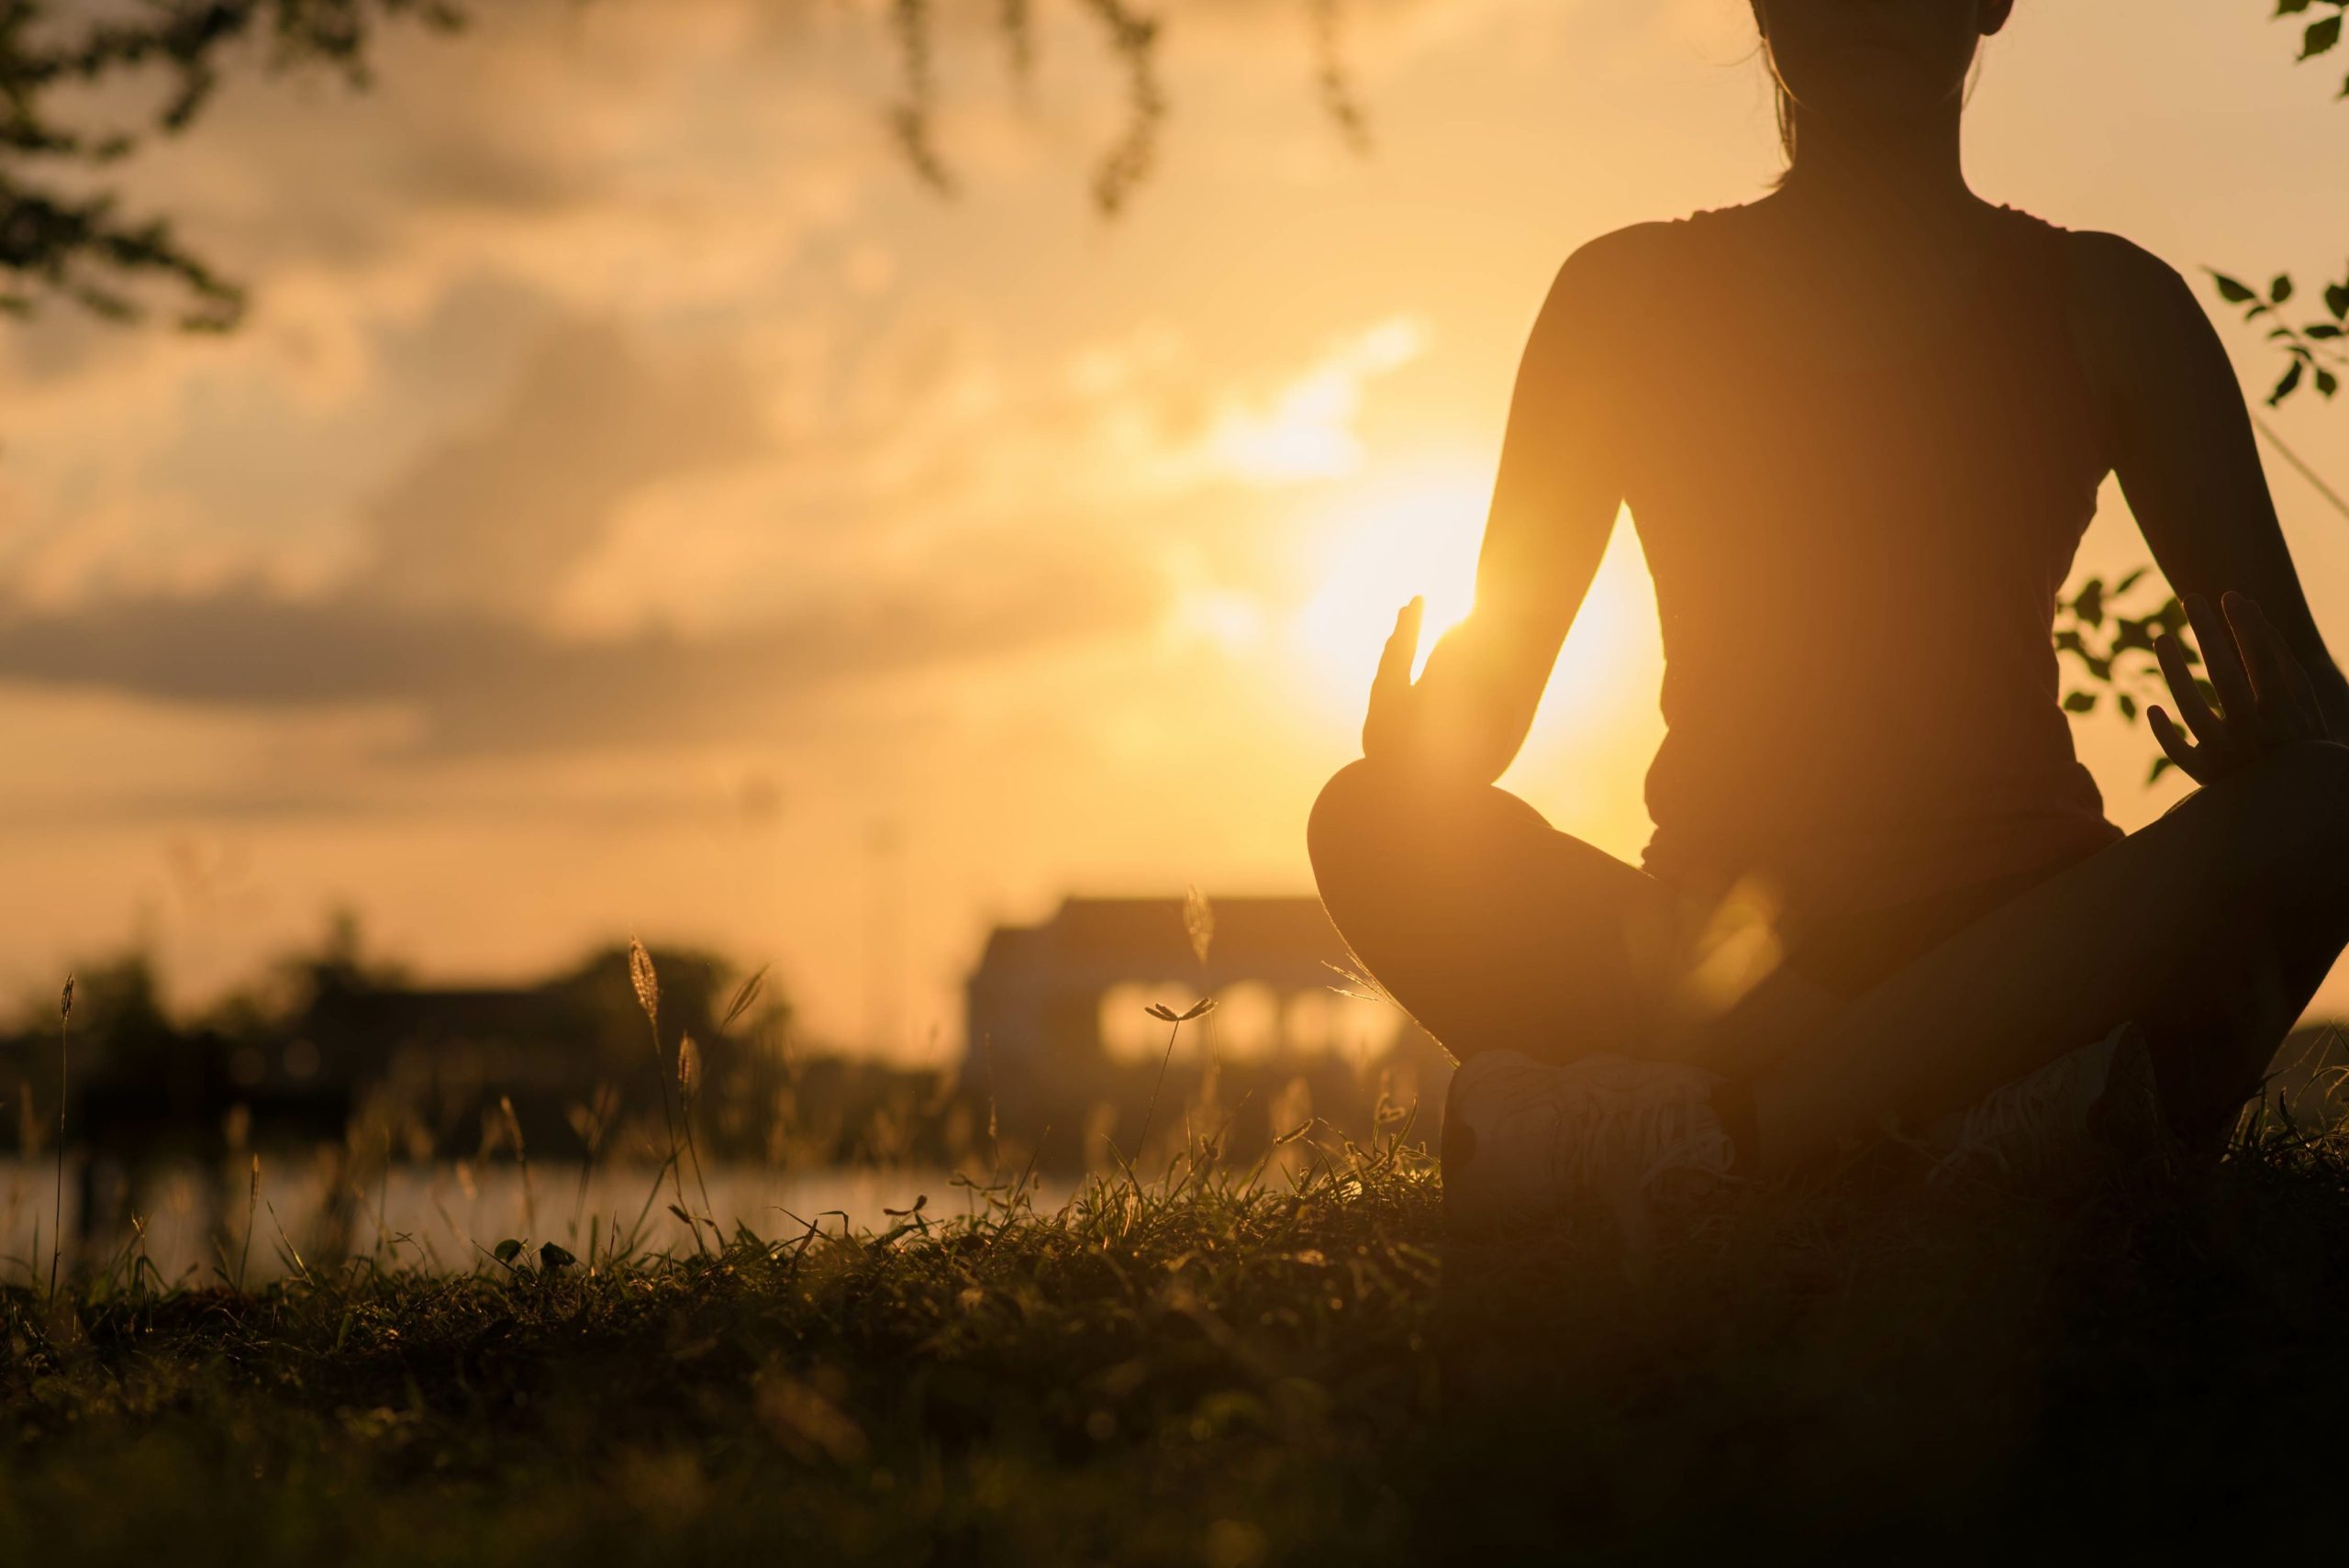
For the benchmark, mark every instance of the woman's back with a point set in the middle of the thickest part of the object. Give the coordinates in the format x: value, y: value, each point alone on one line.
x: 1857, y: 540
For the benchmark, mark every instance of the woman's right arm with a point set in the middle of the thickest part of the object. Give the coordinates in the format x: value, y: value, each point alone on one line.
x: 1559, y: 487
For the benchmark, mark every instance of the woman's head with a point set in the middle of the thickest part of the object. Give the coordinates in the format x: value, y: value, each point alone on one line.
x: 1873, y: 66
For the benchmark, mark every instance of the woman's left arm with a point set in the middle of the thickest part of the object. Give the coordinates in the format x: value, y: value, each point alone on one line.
x: 2185, y: 450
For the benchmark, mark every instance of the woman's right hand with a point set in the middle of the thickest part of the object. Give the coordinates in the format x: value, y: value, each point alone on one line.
x: 1391, y: 730
x: 2266, y: 699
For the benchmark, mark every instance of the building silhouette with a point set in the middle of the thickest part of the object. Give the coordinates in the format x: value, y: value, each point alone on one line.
x: 1056, y: 1014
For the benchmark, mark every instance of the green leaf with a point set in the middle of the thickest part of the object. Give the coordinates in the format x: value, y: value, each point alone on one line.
x: 2089, y: 602
x: 2131, y: 581
x: 2232, y: 292
x: 2281, y: 289
x: 2322, y: 331
x: 2081, y: 702
x: 505, y: 1252
x: 2321, y: 38
x: 2289, y: 386
x: 2336, y: 300
x: 2128, y: 707
x: 2291, y: 7
x: 2162, y: 765
x: 2327, y: 384
x: 552, y: 1257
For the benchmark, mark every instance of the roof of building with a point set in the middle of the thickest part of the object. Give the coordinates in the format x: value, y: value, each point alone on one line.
x: 1246, y: 931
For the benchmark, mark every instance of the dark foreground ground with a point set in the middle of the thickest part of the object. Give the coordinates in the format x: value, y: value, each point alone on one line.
x: 1235, y: 1375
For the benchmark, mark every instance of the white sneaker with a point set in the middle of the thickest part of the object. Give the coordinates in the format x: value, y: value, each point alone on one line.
x: 2099, y: 1097
x: 1522, y: 1139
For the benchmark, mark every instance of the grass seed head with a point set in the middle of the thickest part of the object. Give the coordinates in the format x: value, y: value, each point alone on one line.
x: 647, y: 983
x: 1198, y: 922
x: 743, y: 996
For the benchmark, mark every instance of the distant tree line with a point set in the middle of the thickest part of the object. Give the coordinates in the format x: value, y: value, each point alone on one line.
x: 339, y: 1053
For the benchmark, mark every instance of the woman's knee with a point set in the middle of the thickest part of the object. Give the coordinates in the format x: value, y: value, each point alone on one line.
x: 2300, y: 801
x: 2277, y: 834
x: 1348, y: 819
x: 1376, y: 826
x: 1395, y: 814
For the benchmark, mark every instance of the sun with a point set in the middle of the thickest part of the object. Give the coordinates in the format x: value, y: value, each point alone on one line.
x: 1418, y: 537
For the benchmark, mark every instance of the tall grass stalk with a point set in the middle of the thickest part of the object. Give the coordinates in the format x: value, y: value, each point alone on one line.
x: 688, y: 1091
x: 650, y: 1193
x: 647, y: 981
x: 384, y: 1197
x: 289, y: 1250
x: 522, y: 1157
x: 1167, y: 1015
x: 579, y: 1199
x: 252, y: 1209
x: 591, y: 1121
x: 64, y: 1055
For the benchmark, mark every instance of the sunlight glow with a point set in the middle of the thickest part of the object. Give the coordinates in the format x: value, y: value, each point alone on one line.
x: 1419, y: 538
x: 1307, y: 432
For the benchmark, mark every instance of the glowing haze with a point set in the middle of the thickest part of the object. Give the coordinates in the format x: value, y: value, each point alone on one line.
x: 636, y: 505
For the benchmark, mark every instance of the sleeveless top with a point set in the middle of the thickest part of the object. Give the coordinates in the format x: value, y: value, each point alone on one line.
x: 1856, y: 566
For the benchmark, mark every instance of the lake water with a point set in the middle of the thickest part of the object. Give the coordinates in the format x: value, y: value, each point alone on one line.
x: 448, y: 1215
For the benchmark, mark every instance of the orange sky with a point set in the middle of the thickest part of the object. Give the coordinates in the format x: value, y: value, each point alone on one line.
x: 688, y: 525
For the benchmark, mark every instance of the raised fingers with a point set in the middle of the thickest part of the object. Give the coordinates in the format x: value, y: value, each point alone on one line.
x: 2173, y: 743
x: 2286, y: 696
x: 2207, y: 725
x: 2238, y: 701
x: 1402, y: 648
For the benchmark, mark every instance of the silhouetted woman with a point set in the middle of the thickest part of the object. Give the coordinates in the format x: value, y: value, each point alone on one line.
x: 1861, y: 424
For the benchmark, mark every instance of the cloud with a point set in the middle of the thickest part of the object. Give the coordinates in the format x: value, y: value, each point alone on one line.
x: 456, y: 608
x: 480, y: 682
x: 622, y: 549
x: 497, y: 516
x: 1308, y: 433
x: 607, y: 387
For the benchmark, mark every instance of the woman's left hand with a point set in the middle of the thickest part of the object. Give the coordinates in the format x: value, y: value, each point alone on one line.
x: 2265, y: 698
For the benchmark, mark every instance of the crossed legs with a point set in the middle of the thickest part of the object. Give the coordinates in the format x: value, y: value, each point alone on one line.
x: 2212, y: 928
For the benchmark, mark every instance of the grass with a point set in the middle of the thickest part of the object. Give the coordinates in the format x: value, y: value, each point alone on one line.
x: 1226, y: 1370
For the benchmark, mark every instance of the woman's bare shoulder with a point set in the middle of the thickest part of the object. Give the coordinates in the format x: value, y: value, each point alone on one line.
x: 1637, y: 248
x: 2116, y: 286
x: 2149, y: 348
x: 1626, y: 266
